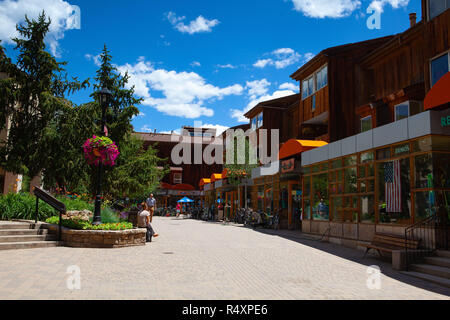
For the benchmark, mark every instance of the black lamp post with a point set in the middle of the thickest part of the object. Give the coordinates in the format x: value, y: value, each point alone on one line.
x: 104, y: 96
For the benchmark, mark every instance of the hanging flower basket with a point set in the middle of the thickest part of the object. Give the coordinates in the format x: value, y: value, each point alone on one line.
x: 100, y: 150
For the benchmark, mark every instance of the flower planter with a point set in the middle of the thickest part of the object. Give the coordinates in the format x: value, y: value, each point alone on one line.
x: 100, y: 150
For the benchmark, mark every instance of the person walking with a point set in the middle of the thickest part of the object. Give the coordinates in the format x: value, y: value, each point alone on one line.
x: 144, y: 222
x: 151, y: 207
x: 178, y: 209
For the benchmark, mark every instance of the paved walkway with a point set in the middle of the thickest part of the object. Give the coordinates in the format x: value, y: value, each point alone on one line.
x: 199, y: 260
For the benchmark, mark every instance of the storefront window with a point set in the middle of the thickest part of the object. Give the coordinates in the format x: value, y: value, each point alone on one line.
x: 367, y: 209
x: 425, y: 204
x: 394, y: 191
x: 441, y: 170
x: 260, y: 197
x: 383, y: 153
x: 350, y: 161
x: 335, y: 164
x: 424, y: 171
x: 350, y: 185
x: 320, y: 197
x: 336, y: 207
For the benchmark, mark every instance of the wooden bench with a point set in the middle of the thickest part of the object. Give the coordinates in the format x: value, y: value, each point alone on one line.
x: 388, y: 243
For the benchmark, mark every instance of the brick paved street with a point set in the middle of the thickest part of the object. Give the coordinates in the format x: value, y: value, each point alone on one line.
x: 198, y: 260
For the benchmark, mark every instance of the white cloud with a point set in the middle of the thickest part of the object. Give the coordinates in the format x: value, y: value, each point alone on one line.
x: 95, y: 59
x: 282, y: 58
x: 226, y: 66
x: 200, y: 24
x: 288, y: 86
x: 195, y: 64
x: 219, y: 128
x: 257, y: 88
x: 183, y: 93
x: 258, y: 92
x: 145, y: 128
x: 326, y: 8
x: 63, y: 15
x: 378, y: 5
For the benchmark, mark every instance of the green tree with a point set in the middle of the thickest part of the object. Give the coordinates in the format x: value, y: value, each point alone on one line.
x: 31, y: 96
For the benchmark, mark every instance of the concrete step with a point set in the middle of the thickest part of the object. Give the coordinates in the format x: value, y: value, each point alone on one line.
x: 15, y: 225
x: 27, y: 238
x: 27, y: 245
x: 429, y: 278
x: 15, y: 232
x: 438, y: 261
x: 443, y: 253
x: 432, y: 270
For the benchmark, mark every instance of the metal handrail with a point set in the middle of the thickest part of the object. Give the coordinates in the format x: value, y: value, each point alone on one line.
x: 432, y: 232
x: 53, y: 202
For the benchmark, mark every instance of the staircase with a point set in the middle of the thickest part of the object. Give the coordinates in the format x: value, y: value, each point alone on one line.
x: 24, y: 235
x: 434, y: 269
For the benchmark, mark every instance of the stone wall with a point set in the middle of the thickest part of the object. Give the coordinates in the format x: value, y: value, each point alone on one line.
x: 99, y: 238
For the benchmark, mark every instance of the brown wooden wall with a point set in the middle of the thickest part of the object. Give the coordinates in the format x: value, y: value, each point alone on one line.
x: 322, y: 105
x: 192, y: 173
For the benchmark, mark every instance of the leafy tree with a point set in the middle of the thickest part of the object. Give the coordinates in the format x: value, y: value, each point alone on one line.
x: 31, y: 95
x: 137, y: 173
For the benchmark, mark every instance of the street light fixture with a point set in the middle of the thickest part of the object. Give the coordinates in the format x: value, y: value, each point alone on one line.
x: 104, y: 96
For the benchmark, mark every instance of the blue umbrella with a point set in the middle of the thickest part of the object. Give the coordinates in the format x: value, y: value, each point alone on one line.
x: 185, y: 200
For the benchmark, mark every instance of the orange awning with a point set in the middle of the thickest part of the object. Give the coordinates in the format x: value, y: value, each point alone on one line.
x: 439, y: 93
x: 215, y: 177
x: 293, y: 147
x: 204, y: 181
x: 224, y: 173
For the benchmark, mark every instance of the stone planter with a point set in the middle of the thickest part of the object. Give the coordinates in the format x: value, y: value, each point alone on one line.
x: 98, y: 238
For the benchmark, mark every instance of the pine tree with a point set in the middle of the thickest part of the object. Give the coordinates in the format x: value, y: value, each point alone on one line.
x: 32, y: 95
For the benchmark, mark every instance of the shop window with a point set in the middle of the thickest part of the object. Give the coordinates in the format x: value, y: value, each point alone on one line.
x: 350, y: 161
x: 436, y: 7
x: 420, y: 145
x: 320, y: 197
x: 307, y: 212
x: 367, y: 157
x: 350, y: 184
x: 335, y: 164
x: 336, y: 209
x: 424, y: 204
x: 260, y: 196
x: 424, y: 171
x: 441, y: 170
x: 394, y: 191
x: 383, y: 153
x: 367, y: 203
x: 366, y: 124
x: 439, y: 67
x: 440, y: 143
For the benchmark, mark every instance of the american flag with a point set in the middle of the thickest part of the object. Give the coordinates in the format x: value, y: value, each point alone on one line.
x: 393, y: 188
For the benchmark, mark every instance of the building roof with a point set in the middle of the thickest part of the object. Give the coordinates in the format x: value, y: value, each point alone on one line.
x: 332, y: 51
x: 282, y: 103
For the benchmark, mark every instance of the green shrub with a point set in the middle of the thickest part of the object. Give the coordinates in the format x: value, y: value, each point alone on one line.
x: 84, y: 225
x: 23, y: 206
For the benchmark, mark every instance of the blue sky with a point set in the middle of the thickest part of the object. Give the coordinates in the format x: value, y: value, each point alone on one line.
x: 202, y: 60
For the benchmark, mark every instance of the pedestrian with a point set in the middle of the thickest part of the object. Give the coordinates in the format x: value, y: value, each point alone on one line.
x: 178, y: 209
x: 144, y: 222
x: 151, y: 205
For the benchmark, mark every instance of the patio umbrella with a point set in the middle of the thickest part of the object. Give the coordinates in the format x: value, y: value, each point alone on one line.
x: 185, y: 200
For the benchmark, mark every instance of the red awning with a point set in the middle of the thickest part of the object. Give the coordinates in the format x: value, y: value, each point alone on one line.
x: 439, y: 93
x: 293, y: 147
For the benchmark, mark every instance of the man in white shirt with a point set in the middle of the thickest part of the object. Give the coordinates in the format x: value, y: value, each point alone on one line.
x: 144, y: 222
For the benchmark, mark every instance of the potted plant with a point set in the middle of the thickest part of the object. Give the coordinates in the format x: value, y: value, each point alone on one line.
x: 100, y: 150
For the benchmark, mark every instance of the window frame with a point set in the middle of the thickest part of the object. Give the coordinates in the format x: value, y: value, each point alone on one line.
x: 313, y: 76
x: 435, y: 58
x: 364, y: 118
x: 428, y: 10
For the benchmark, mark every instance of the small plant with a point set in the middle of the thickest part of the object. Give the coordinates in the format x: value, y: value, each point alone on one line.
x: 100, y: 150
x: 84, y: 225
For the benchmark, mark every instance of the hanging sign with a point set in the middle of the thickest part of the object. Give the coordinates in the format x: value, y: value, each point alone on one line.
x: 288, y: 165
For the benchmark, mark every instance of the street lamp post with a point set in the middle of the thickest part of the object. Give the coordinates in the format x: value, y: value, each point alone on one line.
x: 104, y: 96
